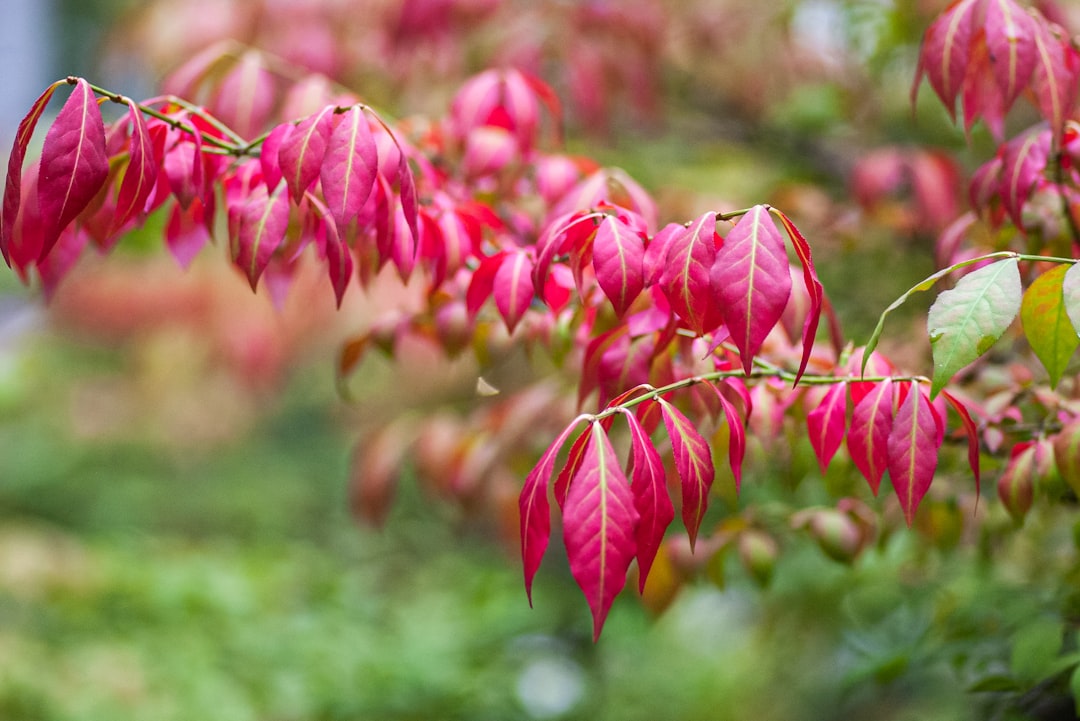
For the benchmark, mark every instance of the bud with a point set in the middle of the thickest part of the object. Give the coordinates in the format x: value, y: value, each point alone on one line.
x: 1067, y: 454
x: 1015, y: 487
x: 758, y: 552
x: 838, y: 535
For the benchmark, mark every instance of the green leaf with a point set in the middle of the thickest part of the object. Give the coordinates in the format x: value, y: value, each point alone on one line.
x: 1070, y: 295
x: 1036, y: 647
x: 1074, y: 686
x: 1046, y: 323
x: 966, y: 321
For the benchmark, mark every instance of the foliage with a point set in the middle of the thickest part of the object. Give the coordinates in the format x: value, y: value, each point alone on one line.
x: 702, y: 336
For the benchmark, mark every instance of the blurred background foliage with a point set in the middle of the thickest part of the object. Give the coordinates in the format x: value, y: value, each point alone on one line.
x: 175, y: 536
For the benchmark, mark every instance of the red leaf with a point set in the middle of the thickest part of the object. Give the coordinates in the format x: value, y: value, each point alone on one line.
x: 339, y: 259
x: 618, y: 253
x: 268, y: 154
x: 301, y: 154
x: 946, y: 50
x: 512, y: 288
x: 598, y: 526
x: 186, y: 232
x: 913, y: 450
x: 407, y: 191
x: 349, y: 167
x: 1057, y: 67
x: 736, y: 430
x: 1009, y: 30
x: 482, y: 283
x: 752, y: 281
x: 693, y: 461
x: 534, y: 508
x: 690, y: 256
x: 263, y: 220
x: 972, y: 433
x: 141, y: 174
x: 1023, y: 162
x: 13, y: 187
x: 827, y: 423
x: 868, y: 435
x: 813, y: 288
x: 570, y: 469
x: 74, y: 163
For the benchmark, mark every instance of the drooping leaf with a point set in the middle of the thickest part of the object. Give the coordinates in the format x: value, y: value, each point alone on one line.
x: 651, y: 499
x: 1070, y: 295
x: 814, y: 289
x: 186, y: 232
x: 245, y: 96
x: 1023, y: 161
x: 946, y: 49
x: 752, y: 281
x: 599, y: 521
x: 693, y: 461
x: 568, y: 472
x: 618, y: 254
x: 482, y: 282
x: 972, y: 432
x: 141, y: 174
x: 736, y: 429
x: 407, y: 191
x: 300, y: 156
x: 1009, y: 33
x: 13, y: 184
x: 913, y: 450
x: 263, y: 220
x: 826, y: 425
x: 512, y: 288
x: 74, y: 163
x: 1057, y: 66
x: 868, y: 435
x: 269, y: 154
x: 1046, y: 323
x: 535, y: 510
x: 684, y: 280
x: 964, y: 322
x: 349, y: 166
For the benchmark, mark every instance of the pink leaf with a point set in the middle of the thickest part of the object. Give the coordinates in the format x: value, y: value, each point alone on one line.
x: 868, y: 436
x: 407, y: 191
x: 141, y: 174
x: 1023, y: 162
x: 752, y: 281
x: 269, y: 152
x: 1009, y: 31
x: 512, y: 288
x: 913, y: 450
x: 617, y: 259
x: 534, y: 508
x: 570, y: 469
x: 827, y: 424
x: 13, y: 186
x: 684, y: 280
x: 482, y: 283
x: 301, y: 154
x: 245, y: 97
x: 1057, y: 67
x: 339, y: 259
x: 946, y: 50
x: 693, y: 461
x: 186, y: 232
x: 349, y: 167
x: 736, y: 430
x: 598, y: 526
x: 74, y: 163
x: 813, y: 288
x: 263, y: 221
x: 972, y: 433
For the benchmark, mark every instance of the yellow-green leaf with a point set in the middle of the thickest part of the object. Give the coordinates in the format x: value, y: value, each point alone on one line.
x: 1047, y: 325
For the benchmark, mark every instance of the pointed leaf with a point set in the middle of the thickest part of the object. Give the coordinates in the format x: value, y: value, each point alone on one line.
x: 827, y: 423
x: 407, y: 191
x: 1009, y: 32
x: 535, y: 510
x: 651, y: 499
x: 512, y: 288
x: 141, y: 174
x: 301, y: 154
x: 574, y: 459
x: 1057, y: 66
x: 945, y: 51
x: 1046, y: 323
x: 868, y: 436
x: 913, y: 450
x: 813, y: 288
x: 618, y: 253
x: 349, y: 167
x: 598, y: 526
x: 752, y: 281
x: 74, y: 163
x: 13, y: 185
x: 269, y: 154
x: 685, y: 281
x: 966, y: 321
x: 972, y: 433
x: 736, y: 428
x: 263, y: 221
x: 694, y: 463
x: 482, y: 283
x: 1023, y: 161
